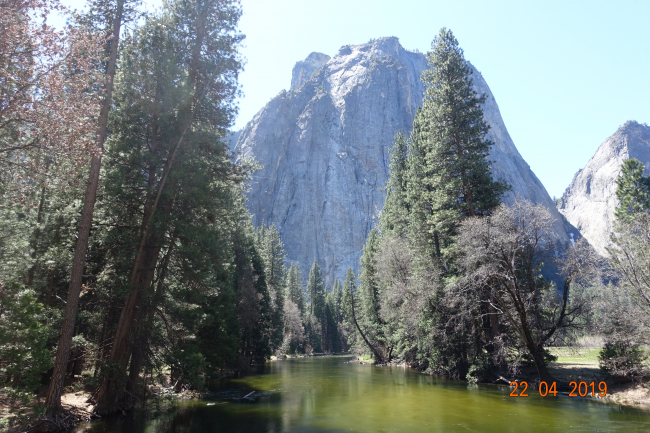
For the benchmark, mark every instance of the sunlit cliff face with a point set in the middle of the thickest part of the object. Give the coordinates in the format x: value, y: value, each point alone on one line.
x: 324, y: 148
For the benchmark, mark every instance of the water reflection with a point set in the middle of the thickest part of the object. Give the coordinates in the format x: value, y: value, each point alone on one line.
x: 333, y: 395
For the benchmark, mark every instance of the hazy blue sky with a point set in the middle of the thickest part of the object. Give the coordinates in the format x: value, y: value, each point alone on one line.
x: 566, y: 74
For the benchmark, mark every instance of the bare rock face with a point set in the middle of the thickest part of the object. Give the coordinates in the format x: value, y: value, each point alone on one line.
x: 303, y: 71
x: 324, y: 148
x: 590, y: 200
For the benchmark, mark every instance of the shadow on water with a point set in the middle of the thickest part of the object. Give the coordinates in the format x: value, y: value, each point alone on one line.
x: 195, y: 419
x: 332, y: 395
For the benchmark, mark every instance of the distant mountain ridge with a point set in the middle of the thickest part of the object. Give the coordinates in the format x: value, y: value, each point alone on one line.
x: 590, y: 199
x: 324, y: 150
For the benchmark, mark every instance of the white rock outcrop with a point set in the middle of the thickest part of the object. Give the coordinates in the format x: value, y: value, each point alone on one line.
x: 324, y: 150
x: 590, y: 200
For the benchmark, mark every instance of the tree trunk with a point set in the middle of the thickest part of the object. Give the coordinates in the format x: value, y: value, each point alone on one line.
x: 111, y: 388
x: 110, y: 391
x: 544, y: 374
x: 436, y: 243
x: 53, y: 400
x: 37, y: 235
x: 138, y: 356
x: 372, y: 348
x: 137, y: 360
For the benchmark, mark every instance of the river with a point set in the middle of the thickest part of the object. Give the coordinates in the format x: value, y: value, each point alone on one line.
x: 331, y: 394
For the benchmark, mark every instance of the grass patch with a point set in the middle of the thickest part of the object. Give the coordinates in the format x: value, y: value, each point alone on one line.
x: 575, y: 364
x: 587, y: 356
x: 366, y: 359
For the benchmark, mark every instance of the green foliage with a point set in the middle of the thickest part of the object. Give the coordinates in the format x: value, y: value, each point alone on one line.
x: 293, y: 287
x: 622, y: 358
x: 439, y: 176
x: 633, y: 190
x: 368, y: 313
x: 394, y: 214
x: 317, y: 314
x: 275, y: 270
x: 547, y: 357
x: 479, y: 371
x: 24, y: 334
x: 449, y: 173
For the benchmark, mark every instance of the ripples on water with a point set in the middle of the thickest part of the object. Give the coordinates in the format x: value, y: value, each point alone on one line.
x: 329, y: 394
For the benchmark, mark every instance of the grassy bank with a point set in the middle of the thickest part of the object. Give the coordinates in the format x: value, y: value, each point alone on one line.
x: 581, y: 364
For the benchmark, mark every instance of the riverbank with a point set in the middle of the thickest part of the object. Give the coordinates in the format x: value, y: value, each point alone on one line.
x: 573, y: 364
x: 15, y: 418
x: 580, y: 364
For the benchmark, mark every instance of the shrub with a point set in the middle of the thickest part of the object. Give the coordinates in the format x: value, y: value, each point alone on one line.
x: 622, y: 358
x: 23, y: 338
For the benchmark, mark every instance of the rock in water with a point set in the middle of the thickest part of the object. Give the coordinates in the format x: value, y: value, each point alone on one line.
x: 590, y: 200
x: 324, y: 148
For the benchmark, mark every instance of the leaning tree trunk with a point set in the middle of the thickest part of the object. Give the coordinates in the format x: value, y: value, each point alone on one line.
x: 140, y: 346
x: 111, y: 389
x: 538, y: 357
x: 53, y: 400
x: 379, y: 358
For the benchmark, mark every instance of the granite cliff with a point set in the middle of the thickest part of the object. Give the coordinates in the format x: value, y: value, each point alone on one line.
x: 589, y: 201
x: 324, y: 149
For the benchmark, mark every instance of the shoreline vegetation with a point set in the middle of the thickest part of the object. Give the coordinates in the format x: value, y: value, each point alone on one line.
x: 573, y: 364
x: 155, y: 282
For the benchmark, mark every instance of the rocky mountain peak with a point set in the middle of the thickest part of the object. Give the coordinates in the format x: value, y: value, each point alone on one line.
x: 324, y: 151
x: 303, y: 71
x: 590, y: 200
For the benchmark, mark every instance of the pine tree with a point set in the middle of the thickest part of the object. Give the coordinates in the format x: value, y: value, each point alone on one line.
x: 337, y: 294
x: 373, y: 323
x: 633, y: 190
x: 294, y: 289
x: 316, y: 295
x: 316, y: 291
x: 273, y: 256
x: 336, y: 300
x: 349, y: 306
x: 450, y: 169
x: 394, y: 214
x: 182, y: 102
x: 53, y: 400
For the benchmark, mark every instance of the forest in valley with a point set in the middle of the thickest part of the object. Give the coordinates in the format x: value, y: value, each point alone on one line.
x: 128, y: 258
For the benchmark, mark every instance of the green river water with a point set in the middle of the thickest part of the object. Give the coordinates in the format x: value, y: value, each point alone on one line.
x: 330, y: 394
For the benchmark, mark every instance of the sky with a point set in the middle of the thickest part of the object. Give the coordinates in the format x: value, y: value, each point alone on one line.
x: 565, y: 74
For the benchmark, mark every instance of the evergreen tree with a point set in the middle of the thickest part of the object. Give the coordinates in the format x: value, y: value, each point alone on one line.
x: 337, y: 295
x: 275, y: 270
x: 394, y: 214
x: 337, y: 335
x: 294, y: 289
x: 179, y: 87
x: 349, y: 307
x: 373, y: 323
x: 316, y: 291
x: 633, y: 190
x: 53, y: 401
x: 316, y: 298
x: 450, y: 169
x: 330, y: 331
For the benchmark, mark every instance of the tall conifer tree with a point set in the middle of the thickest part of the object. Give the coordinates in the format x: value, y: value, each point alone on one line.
x: 450, y: 165
x: 394, y: 215
x: 273, y: 255
x: 293, y: 287
x: 633, y: 190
